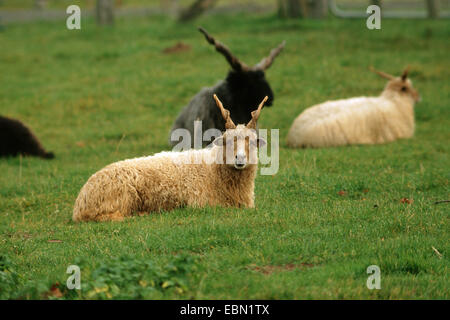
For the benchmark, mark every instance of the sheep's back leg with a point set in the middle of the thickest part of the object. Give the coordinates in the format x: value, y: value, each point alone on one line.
x: 113, y: 201
x: 94, y: 216
x: 114, y: 216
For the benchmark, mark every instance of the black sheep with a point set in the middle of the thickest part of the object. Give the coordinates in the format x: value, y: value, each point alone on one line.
x: 241, y: 91
x: 16, y: 138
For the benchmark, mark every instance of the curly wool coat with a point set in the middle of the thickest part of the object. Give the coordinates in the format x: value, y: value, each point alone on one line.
x: 361, y: 120
x: 163, y: 182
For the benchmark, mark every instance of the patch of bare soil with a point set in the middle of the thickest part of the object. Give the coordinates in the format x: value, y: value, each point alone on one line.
x: 177, y: 48
x: 280, y: 268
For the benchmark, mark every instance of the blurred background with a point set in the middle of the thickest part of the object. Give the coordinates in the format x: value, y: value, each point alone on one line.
x: 184, y: 10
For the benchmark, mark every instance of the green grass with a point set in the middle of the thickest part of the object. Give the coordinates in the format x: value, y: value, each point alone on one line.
x: 100, y: 95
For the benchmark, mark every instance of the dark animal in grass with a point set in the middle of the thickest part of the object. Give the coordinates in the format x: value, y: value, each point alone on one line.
x: 16, y: 138
x: 241, y: 91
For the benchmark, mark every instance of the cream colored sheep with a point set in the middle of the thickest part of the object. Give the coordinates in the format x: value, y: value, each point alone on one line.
x: 362, y: 120
x: 170, y: 180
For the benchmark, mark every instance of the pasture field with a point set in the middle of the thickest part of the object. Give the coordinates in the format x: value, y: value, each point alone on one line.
x: 100, y: 95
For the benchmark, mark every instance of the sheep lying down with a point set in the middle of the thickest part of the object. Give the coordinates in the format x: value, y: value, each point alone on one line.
x: 17, y: 139
x: 361, y: 120
x: 243, y: 88
x: 169, y: 180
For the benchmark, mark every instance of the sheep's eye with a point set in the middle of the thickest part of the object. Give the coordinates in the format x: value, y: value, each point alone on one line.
x: 403, y: 89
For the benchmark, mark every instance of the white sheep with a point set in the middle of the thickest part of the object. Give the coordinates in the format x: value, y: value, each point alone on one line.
x: 222, y: 175
x: 361, y: 120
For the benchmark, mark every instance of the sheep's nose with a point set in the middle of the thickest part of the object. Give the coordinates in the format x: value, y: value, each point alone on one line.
x: 240, y: 161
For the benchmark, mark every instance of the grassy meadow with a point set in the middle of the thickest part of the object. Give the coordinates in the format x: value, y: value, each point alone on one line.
x: 101, y: 95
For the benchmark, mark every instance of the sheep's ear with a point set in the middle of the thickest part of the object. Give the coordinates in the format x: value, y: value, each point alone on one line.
x: 261, y: 142
x: 218, y: 141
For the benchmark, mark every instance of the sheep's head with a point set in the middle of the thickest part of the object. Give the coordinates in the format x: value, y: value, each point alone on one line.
x: 400, y: 85
x: 249, y: 83
x: 239, y: 143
